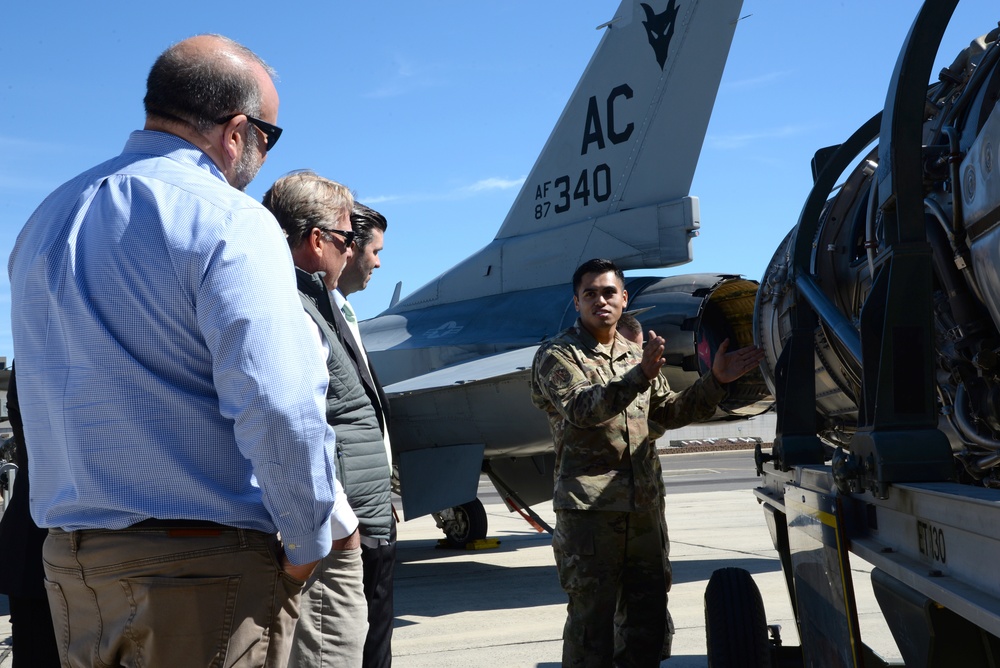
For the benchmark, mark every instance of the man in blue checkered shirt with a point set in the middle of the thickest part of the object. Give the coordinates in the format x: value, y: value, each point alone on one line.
x: 171, y: 441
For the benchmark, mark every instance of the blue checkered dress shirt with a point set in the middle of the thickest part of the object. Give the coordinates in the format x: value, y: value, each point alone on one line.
x: 163, y: 369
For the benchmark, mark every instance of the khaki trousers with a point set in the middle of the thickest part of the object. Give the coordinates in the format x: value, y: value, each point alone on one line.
x: 155, y: 597
x: 333, y: 623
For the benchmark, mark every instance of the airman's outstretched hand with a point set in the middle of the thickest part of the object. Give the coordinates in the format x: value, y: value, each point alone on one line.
x: 728, y: 366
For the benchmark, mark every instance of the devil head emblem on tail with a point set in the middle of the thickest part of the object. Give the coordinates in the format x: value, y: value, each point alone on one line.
x: 659, y: 29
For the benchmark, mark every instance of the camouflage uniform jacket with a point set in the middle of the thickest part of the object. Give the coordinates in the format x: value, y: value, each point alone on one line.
x: 598, y: 402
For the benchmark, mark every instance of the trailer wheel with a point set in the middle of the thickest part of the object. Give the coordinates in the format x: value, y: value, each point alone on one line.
x: 468, y: 523
x: 735, y: 624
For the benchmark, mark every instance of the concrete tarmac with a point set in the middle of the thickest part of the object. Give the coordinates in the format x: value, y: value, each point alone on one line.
x: 503, y: 607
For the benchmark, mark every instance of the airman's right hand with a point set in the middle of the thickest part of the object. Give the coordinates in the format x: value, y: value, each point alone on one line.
x: 652, y: 355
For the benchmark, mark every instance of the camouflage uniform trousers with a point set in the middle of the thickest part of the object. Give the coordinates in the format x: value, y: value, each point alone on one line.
x: 615, y: 569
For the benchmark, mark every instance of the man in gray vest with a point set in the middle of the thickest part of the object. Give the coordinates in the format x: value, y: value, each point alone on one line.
x: 379, y: 557
x: 333, y: 625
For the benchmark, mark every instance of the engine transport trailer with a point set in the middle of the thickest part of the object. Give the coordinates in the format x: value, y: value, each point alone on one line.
x: 880, y: 316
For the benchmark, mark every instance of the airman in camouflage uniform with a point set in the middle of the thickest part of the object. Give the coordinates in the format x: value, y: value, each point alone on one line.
x: 631, y: 329
x: 610, y: 542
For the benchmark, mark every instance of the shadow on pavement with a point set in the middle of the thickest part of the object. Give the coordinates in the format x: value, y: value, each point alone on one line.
x: 701, y: 569
x: 410, y: 551
x: 435, y: 590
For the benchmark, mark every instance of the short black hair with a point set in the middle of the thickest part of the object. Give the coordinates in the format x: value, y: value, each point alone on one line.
x: 596, y: 266
x: 363, y: 220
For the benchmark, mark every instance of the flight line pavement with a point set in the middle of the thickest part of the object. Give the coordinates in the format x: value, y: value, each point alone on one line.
x: 503, y: 607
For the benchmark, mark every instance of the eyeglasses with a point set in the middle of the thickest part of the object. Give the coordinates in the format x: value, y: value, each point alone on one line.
x: 271, y: 132
x: 348, y: 235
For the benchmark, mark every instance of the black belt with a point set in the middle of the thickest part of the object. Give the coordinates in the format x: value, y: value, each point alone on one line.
x: 181, y: 528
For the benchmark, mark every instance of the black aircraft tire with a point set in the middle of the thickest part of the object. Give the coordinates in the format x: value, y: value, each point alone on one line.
x: 470, y: 524
x: 735, y: 625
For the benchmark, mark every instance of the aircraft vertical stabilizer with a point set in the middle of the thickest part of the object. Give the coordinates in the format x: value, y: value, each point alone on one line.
x: 613, y: 178
x: 612, y: 181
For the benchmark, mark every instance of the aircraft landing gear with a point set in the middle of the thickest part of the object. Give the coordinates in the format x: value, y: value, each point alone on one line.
x: 735, y: 625
x: 463, y: 524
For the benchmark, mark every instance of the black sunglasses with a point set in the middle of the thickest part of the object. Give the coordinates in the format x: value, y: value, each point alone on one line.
x: 347, y: 234
x: 271, y: 132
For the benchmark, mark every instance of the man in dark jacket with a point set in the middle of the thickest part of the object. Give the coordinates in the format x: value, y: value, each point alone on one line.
x: 332, y: 628
x: 21, y: 574
x: 379, y: 556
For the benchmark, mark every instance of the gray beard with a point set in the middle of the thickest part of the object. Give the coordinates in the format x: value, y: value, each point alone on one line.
x: 249, y: 163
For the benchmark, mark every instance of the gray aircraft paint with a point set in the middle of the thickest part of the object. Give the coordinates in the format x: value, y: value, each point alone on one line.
x: 612, y: 181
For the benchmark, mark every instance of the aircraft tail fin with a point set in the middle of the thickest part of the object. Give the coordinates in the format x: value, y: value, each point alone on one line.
x: 613, y: 178
x: 395, y: 294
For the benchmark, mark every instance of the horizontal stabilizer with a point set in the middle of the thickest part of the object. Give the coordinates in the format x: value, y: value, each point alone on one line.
x: 483, y: 401
x: 484, y: 369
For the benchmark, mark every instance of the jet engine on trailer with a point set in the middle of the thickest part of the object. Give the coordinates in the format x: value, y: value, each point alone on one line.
x: 880, y: 316
x: 849, y: 245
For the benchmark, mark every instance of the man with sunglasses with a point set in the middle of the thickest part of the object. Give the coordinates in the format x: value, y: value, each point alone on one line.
x: 170, y: 440
x: 333, y: 624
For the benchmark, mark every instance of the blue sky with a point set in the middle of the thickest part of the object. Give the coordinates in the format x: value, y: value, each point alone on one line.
x: 434, y: 112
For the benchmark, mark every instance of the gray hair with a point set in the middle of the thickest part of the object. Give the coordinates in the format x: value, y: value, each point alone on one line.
x: 303, y: 200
